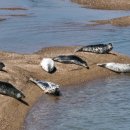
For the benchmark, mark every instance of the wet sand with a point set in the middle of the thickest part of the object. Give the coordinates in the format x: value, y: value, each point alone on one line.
x: 14, y: 8
x: 108, y: 5
x: 105, y: 4
x: 20, y: 67
x: 121, y: 21
x: 1, y: 18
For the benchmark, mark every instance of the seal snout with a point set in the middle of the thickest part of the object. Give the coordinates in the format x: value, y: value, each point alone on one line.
x: 57, y: 92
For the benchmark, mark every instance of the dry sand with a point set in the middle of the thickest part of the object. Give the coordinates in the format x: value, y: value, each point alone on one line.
x: 105, y: 4
x: 20, y: 67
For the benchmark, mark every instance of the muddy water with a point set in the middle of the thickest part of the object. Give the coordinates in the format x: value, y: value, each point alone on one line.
x: 101, y: 105
x: 57, y: 22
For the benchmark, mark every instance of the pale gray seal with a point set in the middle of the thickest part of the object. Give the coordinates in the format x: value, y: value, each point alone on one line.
x: 9, y: 90
x: 98, y: 48
x: 48, y: 64
x: 47, y: 87
x: 71, y: 59
x: 117, y: 67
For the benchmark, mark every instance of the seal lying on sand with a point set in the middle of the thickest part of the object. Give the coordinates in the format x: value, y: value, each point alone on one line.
x: 71, y: 59
x: 47, y: 87
x: 1, y: 66
x: 116, y: 67
x: 9, y: 90
x: 99, y: 48
x: 47, y: 64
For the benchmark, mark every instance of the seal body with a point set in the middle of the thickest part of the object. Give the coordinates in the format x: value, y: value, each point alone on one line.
x: 2, y: 65
x: 71, y: 59
x: 117, y: 67
x: 47, y: 87
x: 98, y: 48
x: 9, y: 90
x: 47, y: 64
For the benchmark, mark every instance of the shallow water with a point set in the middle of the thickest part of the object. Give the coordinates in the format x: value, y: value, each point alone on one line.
x: 57, y: 23
x: 101, y: 105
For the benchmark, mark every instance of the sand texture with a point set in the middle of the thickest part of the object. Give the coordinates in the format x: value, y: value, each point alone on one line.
x: 20, y: 67
x: 105, y: 4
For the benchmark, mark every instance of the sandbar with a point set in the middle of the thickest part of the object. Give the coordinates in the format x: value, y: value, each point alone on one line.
x: 20, y: 67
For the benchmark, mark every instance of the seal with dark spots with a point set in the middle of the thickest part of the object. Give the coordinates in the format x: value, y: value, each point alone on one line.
x: 9, y: 90
x: 98, y: 48
x: 116, y: 67
x: 47, y: 87
x: 71, y: 59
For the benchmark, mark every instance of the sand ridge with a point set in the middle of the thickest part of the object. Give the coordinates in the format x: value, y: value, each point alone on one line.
x: 120, y: 21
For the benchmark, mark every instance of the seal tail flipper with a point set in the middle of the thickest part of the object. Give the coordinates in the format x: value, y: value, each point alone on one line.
x: 102, y: 65
x: 78, y: 49
x: 32, y: 80
x: 86, y: 66
x: 54, y: 58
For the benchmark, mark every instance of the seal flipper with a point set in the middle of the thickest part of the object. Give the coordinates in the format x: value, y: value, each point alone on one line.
x: 86, y: 66
x: 78, y: 49
x: 24, y: 102
x: 34, y: 81
x: 2, y: 66
x: 102, y: 65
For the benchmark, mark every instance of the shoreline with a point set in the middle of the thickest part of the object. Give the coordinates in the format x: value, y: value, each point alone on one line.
x: 120, y: 21
x: 104, y: 4
x: 22, y: 66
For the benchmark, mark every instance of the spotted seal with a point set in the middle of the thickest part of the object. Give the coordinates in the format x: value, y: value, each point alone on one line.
x: 9, y: 90
x: 71, y: 59
x: 98, y: 48
x: 116, y: 67
x: 47, y: 87
x: 48, y: 64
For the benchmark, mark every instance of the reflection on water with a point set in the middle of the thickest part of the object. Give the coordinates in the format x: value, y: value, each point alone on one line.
x: 58, y: 22
x: 101, y: 105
